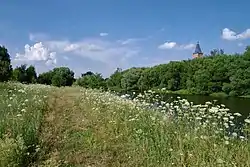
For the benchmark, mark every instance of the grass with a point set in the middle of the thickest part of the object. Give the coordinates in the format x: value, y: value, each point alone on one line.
x: 21, y: 114
x: 247, y: 96
x: 188, y: 92
x: 178, y: 92
x: 82, y: 127
x: 219, y: 94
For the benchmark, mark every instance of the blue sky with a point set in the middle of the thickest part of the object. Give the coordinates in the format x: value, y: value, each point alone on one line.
x: 101, y: 35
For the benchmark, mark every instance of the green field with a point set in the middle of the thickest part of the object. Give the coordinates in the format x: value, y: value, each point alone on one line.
x: 72, y: 126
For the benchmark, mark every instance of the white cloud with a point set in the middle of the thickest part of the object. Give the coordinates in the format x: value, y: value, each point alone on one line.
x: 228, y: 34
x: 103, y: 34
x: 95, y: 54
x: 167, y: 45
x: 37, y: 52
x: 174, y: 45
x: 99, y: 50
x: 132, y: 40
x: 188, y: 46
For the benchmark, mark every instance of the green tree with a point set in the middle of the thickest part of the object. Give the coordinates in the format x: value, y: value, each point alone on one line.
x: 88, y: 73
x: 62, y: 76
x: 94, y: 81
x: 45, y: 78
x: 31, y: 74
x: 20, y: 74
x: 5, y: 64
x: 130, y: 79
x: 114, y: 81
x: 24, y: 75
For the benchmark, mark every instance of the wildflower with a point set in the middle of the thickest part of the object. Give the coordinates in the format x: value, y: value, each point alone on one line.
x: 234, y: 134
x: 226, y: 125
x: 226, y: 142
x: 225, y: 118
x: 220, y: 161
x: 208, y: 103
x: 237, y: 114
x: 242, y: 137
x: 19, y: 115
x: 139, y: 131
x: 204, y: 137
x: 198, y: 118
x: 247, y: 121
x: 9, y: 105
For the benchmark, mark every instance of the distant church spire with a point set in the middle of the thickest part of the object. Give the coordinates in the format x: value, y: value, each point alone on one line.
x: 197, y: 52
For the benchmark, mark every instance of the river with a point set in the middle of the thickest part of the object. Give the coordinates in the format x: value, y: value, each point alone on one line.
x: 235, y: 104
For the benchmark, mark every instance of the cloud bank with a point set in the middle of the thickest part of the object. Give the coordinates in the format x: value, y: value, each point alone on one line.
x: 174, y: 45
x: 37, y: 52
x: 230, y: 35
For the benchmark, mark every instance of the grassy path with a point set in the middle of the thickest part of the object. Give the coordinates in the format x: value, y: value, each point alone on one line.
x: 75, y: 133
x: 69, y: 127
x: 61, y: 119
x: 93, y: 129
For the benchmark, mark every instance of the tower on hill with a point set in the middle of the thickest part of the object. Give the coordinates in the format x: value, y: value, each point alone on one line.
x: 197, y: 53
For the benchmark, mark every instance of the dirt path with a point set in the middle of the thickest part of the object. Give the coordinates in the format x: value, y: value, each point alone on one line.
x: 62, y: 116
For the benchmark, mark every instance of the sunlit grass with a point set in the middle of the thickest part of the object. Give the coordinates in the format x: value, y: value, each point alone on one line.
x: 21, y: 113
x: 82, y: 127
x: 106, y: 130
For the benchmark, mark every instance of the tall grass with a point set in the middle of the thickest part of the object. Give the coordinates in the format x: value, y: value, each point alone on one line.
x: 44, y: 126
x: 101, y: 129
x: 21, y: 112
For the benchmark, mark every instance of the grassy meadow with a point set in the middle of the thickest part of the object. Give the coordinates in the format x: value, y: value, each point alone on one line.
x: 72, y: 126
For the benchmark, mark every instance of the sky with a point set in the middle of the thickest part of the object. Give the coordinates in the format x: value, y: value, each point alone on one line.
x: 102, y: 35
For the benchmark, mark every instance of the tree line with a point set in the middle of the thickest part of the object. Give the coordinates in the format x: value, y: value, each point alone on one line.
x: 215, y: 73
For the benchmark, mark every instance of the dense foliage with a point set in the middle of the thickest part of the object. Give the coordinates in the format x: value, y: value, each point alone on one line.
x: 24, y: 75
x: 215, y: 73
x: 60, y: 76
x: 91, y: 80
x: 5, y: 64
x: 229, y: 74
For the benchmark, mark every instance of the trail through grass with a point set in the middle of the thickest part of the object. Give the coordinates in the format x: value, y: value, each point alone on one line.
x: 90, y: 128
x: 80, y: 127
